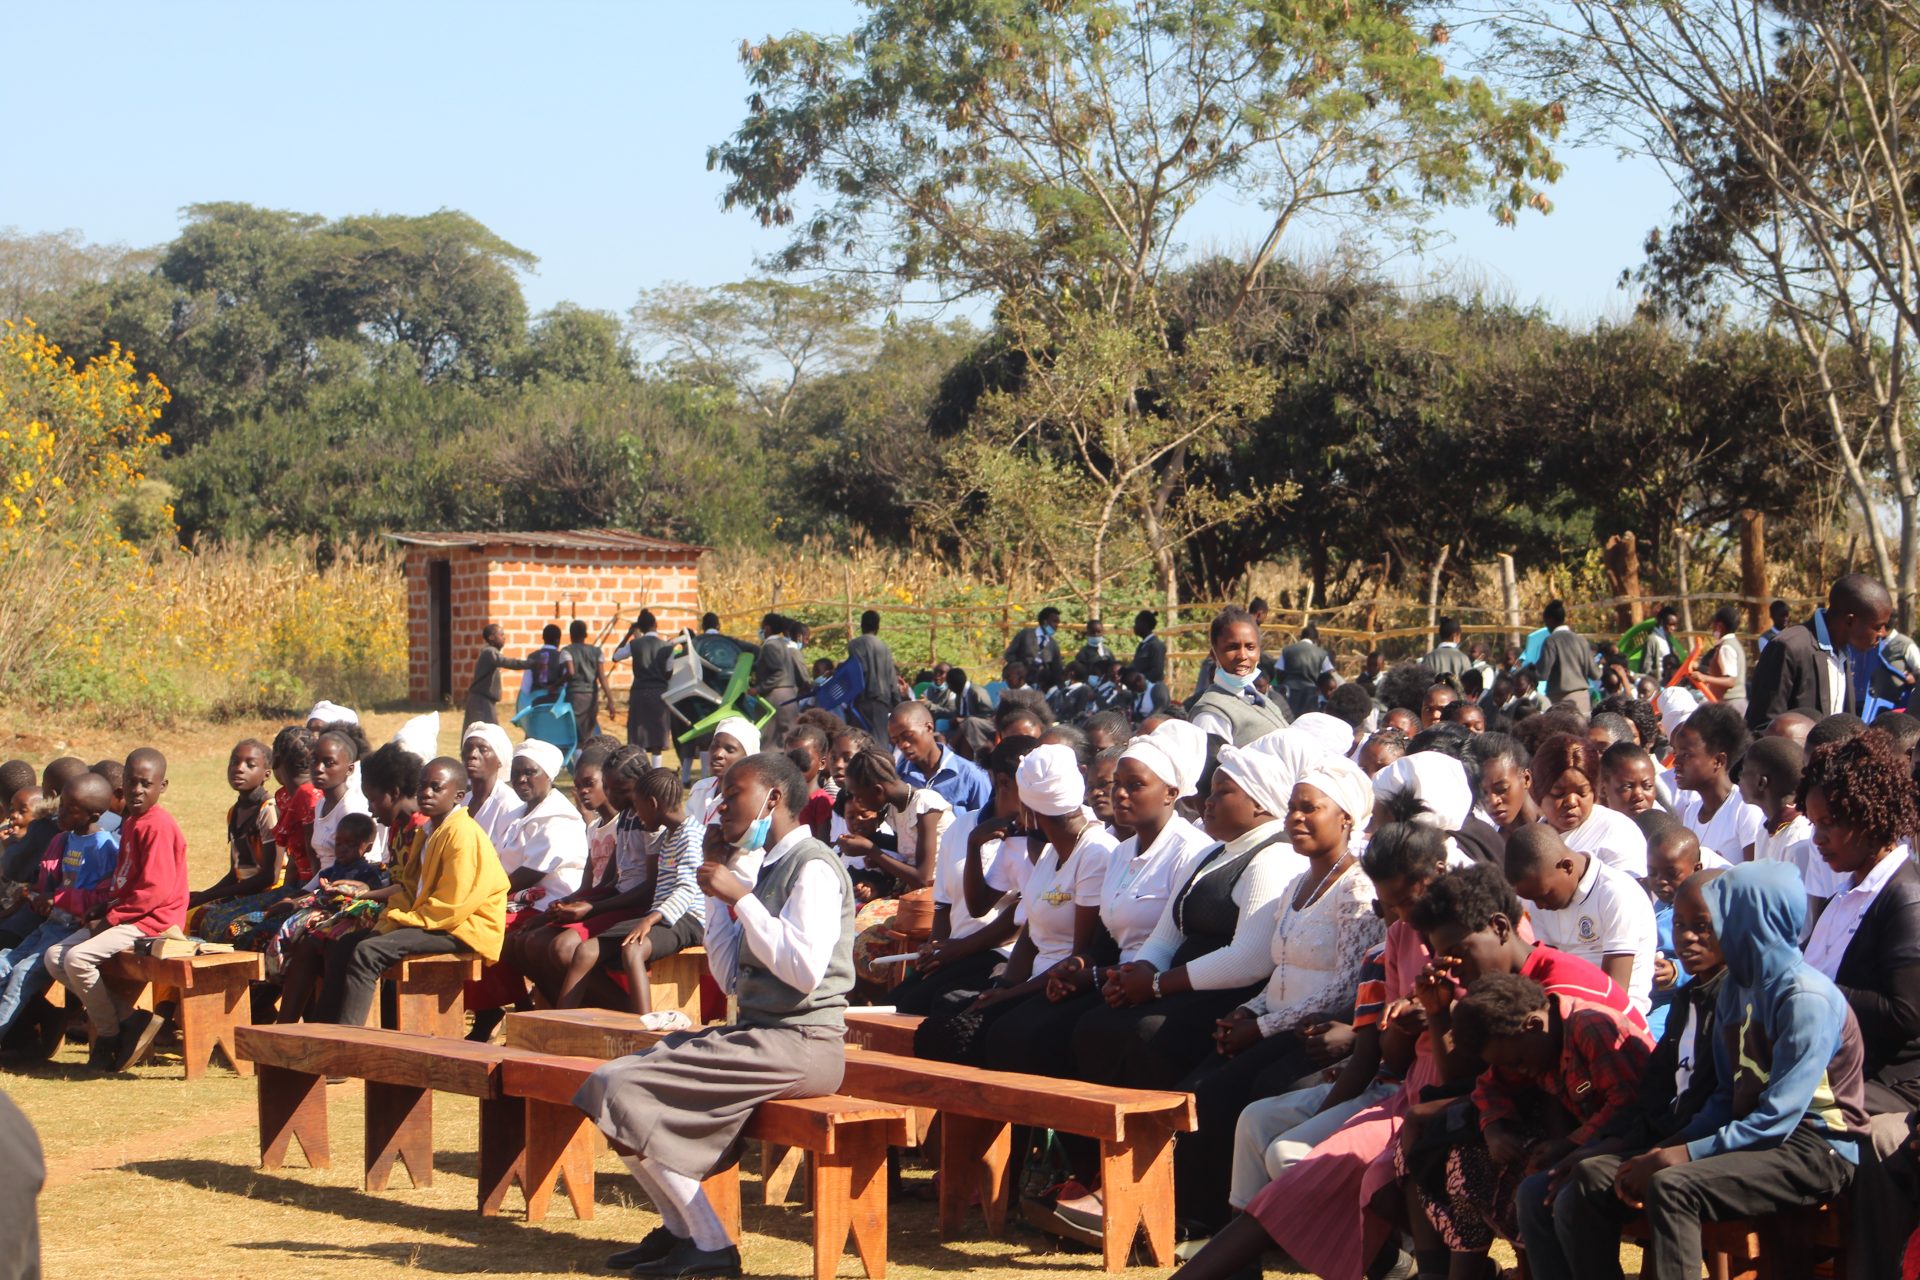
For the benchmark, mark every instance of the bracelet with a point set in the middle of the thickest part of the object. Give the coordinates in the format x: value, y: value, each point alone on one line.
x: 1156, y: 984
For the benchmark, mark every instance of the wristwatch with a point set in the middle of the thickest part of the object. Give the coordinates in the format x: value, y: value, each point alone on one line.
x: 1156, y: 984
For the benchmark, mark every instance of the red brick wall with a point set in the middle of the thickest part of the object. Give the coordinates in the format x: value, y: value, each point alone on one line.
x: 524, y: 588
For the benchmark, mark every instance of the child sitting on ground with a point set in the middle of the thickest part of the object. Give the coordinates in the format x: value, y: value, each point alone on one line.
x: 145, y: 896
x: 253, y: 859
x: 80, y: 858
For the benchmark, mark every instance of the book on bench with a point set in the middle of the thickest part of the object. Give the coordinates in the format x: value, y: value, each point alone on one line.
x: 165, y: 948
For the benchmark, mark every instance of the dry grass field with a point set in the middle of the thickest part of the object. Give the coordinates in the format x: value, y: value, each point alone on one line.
x: 150, y: 1178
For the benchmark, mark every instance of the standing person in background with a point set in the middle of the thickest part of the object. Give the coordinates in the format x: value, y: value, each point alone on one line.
x: 1447, y: 658
x: 647, y: 724
x: 1899, y: 665
x: 876, y: 666
x: 1657, y: 649
x: 1229, y: 706
x: 1039, y: 649
x: 1724, y: 669
x: 1150, y: 658
x: 1778, y: 613
x: 1565, y: 668
x: 483, y: 695
x: 588, y: 680
x: 548, y: 667
x: 1820, y: 667
x: 1302, y: 663
x: 1095, y: 651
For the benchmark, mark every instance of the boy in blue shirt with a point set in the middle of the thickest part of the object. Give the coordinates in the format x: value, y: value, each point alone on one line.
x: 86, y: 855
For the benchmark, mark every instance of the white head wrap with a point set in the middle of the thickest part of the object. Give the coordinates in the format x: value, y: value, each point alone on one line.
x: 491, y: 734
x: 1334, y: 735
x: 1346, y: 784
x: 1437, y: 780
x: 332, y: 713
x: 1050, y: 781
x: 545, y: 756
x: 741, y: 730
x: 421, y: 735
x: 1267, y: 767
x: 1176, y: 753
x: 1676, y: 704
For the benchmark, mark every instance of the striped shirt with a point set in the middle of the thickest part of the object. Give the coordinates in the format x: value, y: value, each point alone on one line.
x: 676, y: 891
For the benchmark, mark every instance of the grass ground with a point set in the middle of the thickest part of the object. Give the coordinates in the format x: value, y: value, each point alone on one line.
x: 148, y: 1176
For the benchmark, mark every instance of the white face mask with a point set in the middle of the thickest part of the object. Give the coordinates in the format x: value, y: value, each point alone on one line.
x: 1239, y: 684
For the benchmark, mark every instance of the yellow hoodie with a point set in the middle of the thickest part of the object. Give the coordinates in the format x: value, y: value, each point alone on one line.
x: 453, y: 884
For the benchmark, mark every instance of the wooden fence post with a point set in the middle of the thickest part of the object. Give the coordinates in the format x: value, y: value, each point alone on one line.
x: 1510, y: 599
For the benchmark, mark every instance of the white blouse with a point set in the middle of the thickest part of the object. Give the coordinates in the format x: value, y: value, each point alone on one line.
x: 1141, y: 883
x: 1052, y: 893
x: 551, y: 838
x: 1612, y: 837
x: 1318, y: 951
x: 498, y: 812
x: 1246, y: 959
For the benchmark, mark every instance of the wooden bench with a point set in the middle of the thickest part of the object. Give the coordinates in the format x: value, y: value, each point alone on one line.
x: 402, y: 1072
x: 210, y: 994
x: 1781, y: 1246
x: 887, y: 1032
x: 673, y: 982
x: 978, y: 1108
x: 846, y: 1137
x: 430, y: 994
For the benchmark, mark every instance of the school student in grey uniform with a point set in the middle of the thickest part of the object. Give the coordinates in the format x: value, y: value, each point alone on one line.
x: 780, y: 939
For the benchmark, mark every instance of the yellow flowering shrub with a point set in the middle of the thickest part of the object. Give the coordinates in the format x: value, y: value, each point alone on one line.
x: 75, y: 440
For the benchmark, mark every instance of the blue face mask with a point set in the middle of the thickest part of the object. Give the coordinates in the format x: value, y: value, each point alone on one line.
x: 1239, y: 684
x: 757, y: 831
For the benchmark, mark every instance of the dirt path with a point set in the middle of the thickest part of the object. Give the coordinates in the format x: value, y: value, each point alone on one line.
x: 156, y: 1145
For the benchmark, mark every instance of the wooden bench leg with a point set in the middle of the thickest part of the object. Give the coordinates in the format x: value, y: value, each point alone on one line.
x: 850, y: 1193
x: 1136, y: 1187
x: 293, y: 1104
x: 433, y: 1006
x: 208, y: 1015
x: 559, y: 1145
x: 723, y: 1193
x: 779, y: 1166
x: 503, y: 1150
x: 399, y: 1127
x: 974, y: 1155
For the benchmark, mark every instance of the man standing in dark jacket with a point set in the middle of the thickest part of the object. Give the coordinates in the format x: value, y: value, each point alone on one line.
x: 1823, y: 665
x: 876, y: 668
x: 1565, y: 668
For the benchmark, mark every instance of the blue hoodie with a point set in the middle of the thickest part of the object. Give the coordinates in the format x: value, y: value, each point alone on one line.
x: 1788, y: 1048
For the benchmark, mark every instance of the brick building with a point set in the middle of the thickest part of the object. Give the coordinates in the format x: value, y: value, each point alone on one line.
x: 459, y: 582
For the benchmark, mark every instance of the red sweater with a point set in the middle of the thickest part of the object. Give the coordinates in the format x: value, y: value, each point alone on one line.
x: 149, y: 886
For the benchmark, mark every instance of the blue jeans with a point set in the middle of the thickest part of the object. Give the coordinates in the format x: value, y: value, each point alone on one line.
x: 1545, y: 1259
x: 23, y: 975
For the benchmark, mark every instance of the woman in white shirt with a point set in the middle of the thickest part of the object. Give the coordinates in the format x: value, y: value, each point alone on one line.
x: 1294, y: 1027
x: 1211, y: 949
x: 1059, y: 911
x: 733, y: 739
x: 1566, y: 786
x: 485, y: 750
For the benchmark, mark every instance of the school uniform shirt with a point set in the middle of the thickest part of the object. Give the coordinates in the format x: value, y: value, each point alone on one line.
x: 1610, y: 915
x: 498, y: 811
x: 959, y: 781
x: 1793, y: 845
x: 1733, y: 826
x: 1141, y: 882
x: 551, y: 838
x: 1833, y: 931
x: 703, y: 801
x: 1612, y: 837
x: 950, y: 872
x: 1247, y: 958
x: 797, y: 945
x: 1052, y: 893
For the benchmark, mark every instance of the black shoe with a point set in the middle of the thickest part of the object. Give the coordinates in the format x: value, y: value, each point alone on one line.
x: 485, y: 1023
x: 686, y: 1260
x: 104, y: 1052
x: 137, y: 1035
x: 49, y: 1029
x: 657, y: 1244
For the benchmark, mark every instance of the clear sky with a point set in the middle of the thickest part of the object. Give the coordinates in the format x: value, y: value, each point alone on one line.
x: 576, y: 130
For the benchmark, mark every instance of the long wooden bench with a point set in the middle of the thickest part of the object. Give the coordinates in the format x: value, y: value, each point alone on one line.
x: 887, y: 1032
x: 846, y: 1137
x: 1135, y: 1127
x: 402, y: 1071
x: 210, y: 999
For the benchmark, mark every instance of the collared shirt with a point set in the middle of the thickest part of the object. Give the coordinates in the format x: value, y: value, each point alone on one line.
x: 1216, y: 724
x: 1610, y: 915
x: 1836, y: 665
x: 1833, y: 932
x: 960, y: 782
x: 797, y: 945
x: 1602, y: 1057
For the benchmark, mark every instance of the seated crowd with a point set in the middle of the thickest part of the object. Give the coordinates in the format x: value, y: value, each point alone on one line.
x: 1440, y: 962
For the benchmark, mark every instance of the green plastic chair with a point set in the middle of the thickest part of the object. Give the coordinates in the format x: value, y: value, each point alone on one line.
x: 732, y: 703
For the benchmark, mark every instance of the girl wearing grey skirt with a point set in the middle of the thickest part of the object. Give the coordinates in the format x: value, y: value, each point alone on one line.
x: 780, y: 940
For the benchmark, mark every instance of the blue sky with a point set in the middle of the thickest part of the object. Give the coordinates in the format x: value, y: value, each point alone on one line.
x: 576, y: 130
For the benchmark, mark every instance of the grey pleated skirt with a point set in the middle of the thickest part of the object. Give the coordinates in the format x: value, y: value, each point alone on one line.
x: 685, y: 1101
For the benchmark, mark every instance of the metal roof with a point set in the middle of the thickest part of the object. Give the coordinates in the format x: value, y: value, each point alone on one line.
x: 559, y: 539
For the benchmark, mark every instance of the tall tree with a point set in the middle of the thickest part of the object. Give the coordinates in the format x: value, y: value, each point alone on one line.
x: 1048, y: 151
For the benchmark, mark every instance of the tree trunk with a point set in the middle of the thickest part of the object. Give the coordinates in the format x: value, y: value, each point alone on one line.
x: 1510, y: 600
x: 1433, y: 593
x: 1904, y: 495
x: 1753, y: 566
x: 1682, y: 576
x: 1622, y: 559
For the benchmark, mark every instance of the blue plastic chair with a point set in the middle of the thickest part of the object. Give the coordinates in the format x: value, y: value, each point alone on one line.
x: 837, y: 691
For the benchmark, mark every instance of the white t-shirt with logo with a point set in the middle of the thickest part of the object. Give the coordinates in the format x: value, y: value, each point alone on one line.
x: 1610, y: 915
x: 1051, y: 894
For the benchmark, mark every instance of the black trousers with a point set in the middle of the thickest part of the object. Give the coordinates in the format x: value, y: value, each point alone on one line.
x: 1154, y: 1045
x: 1221, y: 1089
x: 920, y: 993
x: 1803, y: 1170
x: 355, y: 963
x: 1036, y: 1035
